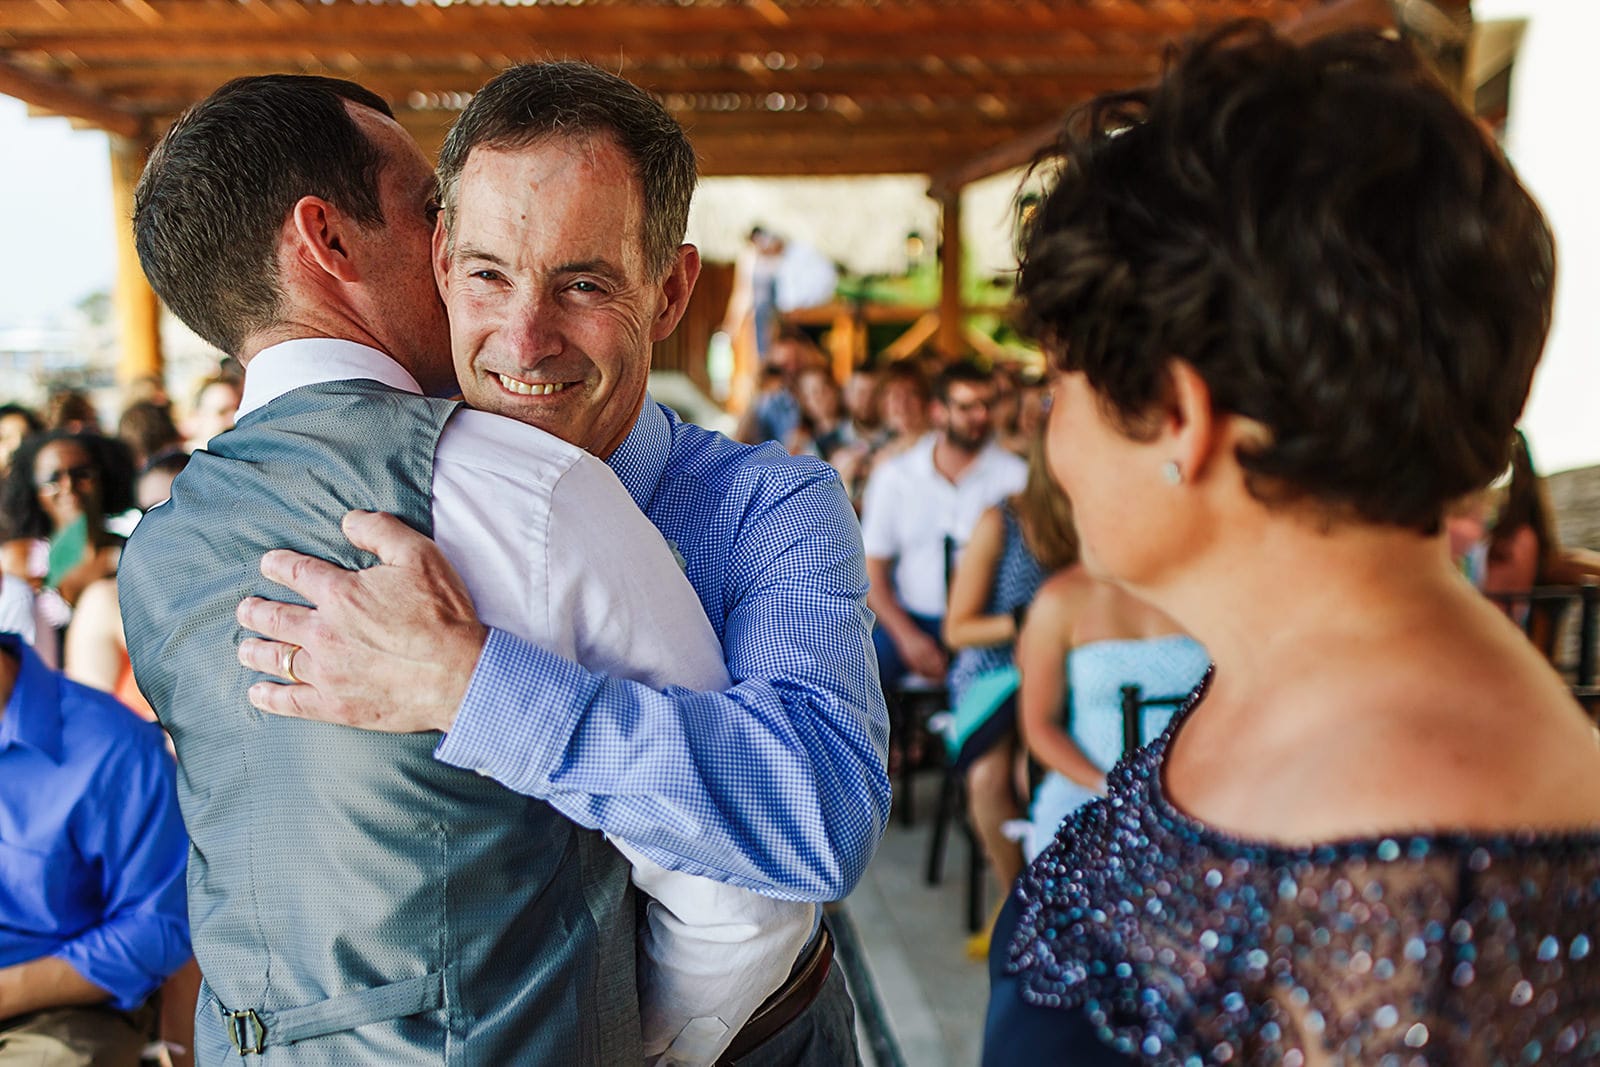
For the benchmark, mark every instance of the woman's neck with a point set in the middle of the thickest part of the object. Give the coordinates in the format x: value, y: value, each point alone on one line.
x: 1271, y: 603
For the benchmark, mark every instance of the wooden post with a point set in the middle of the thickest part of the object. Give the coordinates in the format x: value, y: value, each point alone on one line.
x: 1442, y: 31
x: 949, y: 340
x: 138, y: 311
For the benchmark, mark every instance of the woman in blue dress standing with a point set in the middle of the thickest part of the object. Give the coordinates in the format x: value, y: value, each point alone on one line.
x: 1296, y: 297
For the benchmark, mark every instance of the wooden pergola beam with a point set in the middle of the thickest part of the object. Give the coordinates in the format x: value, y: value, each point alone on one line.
x: 1329, y: 18
x: 63, y: 98
x: 24, y: 17
x: 163, y: 79
x: 700, y: 50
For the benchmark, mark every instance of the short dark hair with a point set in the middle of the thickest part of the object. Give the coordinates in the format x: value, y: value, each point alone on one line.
x: 964, y: 371
x: 147, y: 428
x: 211, y: 202
x: 1329, y: 240
x: 70, y: 409
x: 535, y: 101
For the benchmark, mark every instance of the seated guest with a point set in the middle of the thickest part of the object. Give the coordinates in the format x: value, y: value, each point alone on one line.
x: 147, y: 429
x: 216, y: 405
x: 823, y: 430
x: 1014, y: 547
x: 70, y: 411
x: 1084, y: 641
x: 17, y: 424
x: 918, y: 501
x: 1296, y: 297
x: 904, y: 400
x: 861, y: 404
x: 774, y: 414
x: 92, y: 860
x: 96, y: 649
x: 54, y: 504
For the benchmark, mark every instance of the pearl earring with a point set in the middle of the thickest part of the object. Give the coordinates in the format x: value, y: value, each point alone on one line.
x: 1171, y: 472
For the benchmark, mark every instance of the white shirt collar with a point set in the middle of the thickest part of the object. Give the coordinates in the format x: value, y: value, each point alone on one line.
x: 312, y: 360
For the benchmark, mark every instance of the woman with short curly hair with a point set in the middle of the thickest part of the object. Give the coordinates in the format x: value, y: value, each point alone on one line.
x: 1296, y: 297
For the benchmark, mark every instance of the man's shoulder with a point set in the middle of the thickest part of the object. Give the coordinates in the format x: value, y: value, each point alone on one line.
x: 99, y: 727
x: 707, y: 460
x: 482, y: 441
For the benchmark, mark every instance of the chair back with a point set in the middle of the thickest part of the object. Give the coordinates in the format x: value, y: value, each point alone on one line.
x: 1134, y: 705
x: 1541, y: 611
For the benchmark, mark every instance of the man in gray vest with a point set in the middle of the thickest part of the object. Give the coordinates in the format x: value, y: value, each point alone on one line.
x: 355, y: 900
x: 562, y: 241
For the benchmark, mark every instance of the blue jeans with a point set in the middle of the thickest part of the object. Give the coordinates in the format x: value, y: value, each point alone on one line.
x: 891, y: 669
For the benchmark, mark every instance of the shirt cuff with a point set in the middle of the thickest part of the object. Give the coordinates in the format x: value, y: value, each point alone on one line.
x: 513, y: 681
x: 131, y: 960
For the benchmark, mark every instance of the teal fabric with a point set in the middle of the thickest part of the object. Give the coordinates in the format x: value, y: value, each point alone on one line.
x: 982, y: 697
x: 378, y: 905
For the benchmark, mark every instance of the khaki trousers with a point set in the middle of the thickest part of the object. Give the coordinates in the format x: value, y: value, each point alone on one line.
x: 75, y: 1037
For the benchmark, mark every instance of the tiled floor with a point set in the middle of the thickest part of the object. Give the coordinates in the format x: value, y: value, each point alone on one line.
x: 913, y: 937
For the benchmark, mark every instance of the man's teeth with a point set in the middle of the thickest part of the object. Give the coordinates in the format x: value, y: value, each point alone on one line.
x: 531, y: 389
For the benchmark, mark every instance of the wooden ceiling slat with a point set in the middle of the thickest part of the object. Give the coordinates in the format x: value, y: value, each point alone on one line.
x: 764, y: 86
x: 190, y: 17
x: 262, y: 45
x: 139, y: 81
x: 64, y: 98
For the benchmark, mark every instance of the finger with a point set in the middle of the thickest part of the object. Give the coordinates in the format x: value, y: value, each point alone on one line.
x: 386, y: 537
x: 312, y: 578
x: 269, y: 657
x: 270, y: 618
x: 288, y: 700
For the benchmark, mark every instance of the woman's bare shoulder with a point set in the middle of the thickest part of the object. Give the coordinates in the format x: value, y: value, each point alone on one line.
x: 1490, y: 746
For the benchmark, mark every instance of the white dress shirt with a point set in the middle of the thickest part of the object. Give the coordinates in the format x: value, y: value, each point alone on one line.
x: 553, y: 549
x: 910, y: 508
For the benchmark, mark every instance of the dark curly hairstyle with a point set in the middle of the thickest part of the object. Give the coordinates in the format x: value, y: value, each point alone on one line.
x: 20, y: 512
x: 1334, y: 246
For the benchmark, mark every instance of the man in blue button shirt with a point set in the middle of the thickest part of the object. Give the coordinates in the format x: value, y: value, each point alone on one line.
x: 92, y: 855
x: 777, y: 784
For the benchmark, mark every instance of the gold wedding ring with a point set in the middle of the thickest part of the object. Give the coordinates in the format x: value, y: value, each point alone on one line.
x: 286, y: 662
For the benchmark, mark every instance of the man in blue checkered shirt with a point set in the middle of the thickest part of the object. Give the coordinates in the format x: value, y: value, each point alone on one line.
x: 777, y: 784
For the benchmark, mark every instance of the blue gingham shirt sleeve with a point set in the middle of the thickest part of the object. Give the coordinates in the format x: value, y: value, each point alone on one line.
x: 776, y: 785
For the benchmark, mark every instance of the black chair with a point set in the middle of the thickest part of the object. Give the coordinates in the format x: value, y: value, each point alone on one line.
x: 911, y: 704
x: 910, y: 708
x: 1542, y: 611
x: 952, y: 807
x: 1134, y: 705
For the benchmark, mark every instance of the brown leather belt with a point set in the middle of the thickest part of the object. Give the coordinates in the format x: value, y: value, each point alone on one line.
x: 785, y: 1005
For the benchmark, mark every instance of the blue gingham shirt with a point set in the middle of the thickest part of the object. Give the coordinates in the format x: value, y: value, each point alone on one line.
x: 777, y: 784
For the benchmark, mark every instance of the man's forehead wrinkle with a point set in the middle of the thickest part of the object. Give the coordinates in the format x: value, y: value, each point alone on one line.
x: 475, y: 252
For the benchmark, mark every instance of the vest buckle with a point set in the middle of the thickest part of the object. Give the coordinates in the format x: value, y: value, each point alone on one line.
x: 246, y: 1030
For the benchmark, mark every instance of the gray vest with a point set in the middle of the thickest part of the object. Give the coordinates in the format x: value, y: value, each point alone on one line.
x: 353, y: 900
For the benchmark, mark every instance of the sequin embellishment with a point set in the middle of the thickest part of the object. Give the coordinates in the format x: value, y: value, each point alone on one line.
x: 1187, y: 947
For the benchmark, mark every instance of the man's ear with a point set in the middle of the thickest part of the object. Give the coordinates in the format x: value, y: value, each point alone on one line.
x: 676, y: 287
x: 321, y: 235
x: 441, y: 256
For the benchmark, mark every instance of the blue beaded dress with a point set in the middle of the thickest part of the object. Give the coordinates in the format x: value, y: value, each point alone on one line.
x: 1142, y: 936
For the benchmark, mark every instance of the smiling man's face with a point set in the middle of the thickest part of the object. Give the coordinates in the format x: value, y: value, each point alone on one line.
x: 553, y: 306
